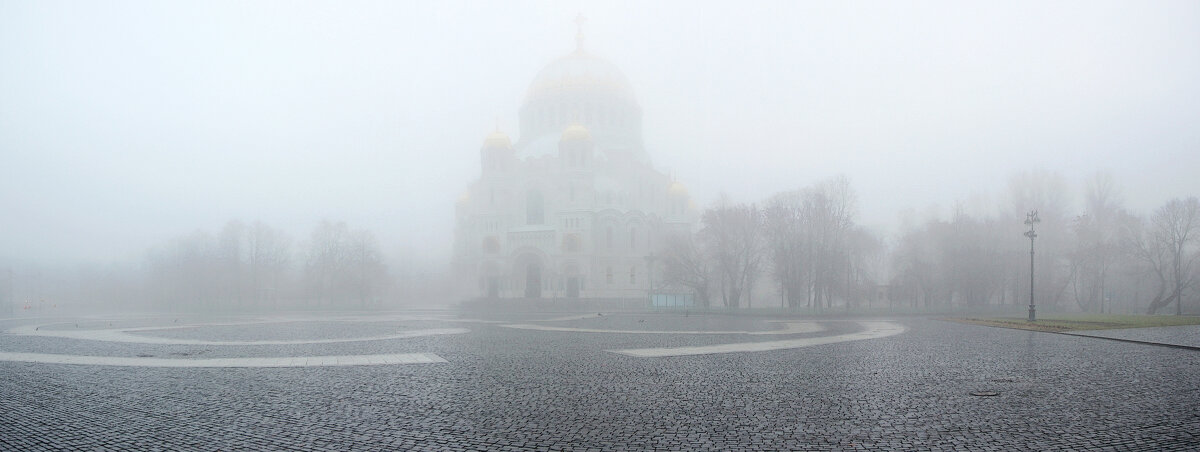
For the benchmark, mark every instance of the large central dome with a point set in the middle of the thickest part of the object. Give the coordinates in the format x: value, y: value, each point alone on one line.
x: 585, y: 89
x: 580, y: 71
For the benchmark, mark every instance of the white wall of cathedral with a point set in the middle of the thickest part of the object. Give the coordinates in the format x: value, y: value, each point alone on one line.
x: 614, y: 123
x: 605, y: 252
x: 588, y: 228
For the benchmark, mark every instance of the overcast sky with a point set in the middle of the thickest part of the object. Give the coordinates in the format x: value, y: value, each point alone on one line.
x: 123, y: 124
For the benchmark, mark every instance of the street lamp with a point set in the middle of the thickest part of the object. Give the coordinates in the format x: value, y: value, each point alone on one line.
x: 650, y: 277
x: 1031, y: 219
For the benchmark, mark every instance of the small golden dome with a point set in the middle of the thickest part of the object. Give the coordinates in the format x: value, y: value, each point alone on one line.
x: 464, y: 197
x: 497, y: 140
x: 576, y: 132
x: 677, y: 189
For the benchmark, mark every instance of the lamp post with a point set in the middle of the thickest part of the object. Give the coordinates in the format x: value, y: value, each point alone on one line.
x: 8, y: 302
x: 650, y: 278
x: 1031, y: 219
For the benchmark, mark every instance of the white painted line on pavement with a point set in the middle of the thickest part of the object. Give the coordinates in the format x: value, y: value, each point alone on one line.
x: 874, y: 330
x: 791, y: 328
x: 570, y: 317
x: 122, y: 335
x: 300, y: 361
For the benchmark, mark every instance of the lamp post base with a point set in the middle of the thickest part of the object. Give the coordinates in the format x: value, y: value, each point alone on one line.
x: 1032, y: 317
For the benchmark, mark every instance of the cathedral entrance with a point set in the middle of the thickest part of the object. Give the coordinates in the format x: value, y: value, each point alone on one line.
x: 573, y: 287
x: 490, y: 272
x: 493, y: 287
x: 533, y: 280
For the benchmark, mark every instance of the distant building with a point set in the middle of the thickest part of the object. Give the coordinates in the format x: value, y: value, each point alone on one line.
x: 573, y: 209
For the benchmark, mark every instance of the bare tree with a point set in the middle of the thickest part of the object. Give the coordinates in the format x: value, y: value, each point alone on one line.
x: 784, y: 229
x: 816, y: 251
x: 229, y: 269
x: 733, y: 235
x: 1175, y: 227
x: 184, y: 273
x: 976, y: 264
x: 268, y: 258
x: 325, y: 261
x: 961, y: 261
x: 365, y: 262
x: 862, y: 250
x: 343, y: 265
x: 685, y: 264
x: 230, y: 263
x: 829, y: 209
x: 915, y: 267
x: 1097, y: 242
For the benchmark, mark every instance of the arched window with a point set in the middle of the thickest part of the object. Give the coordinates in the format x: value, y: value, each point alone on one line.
x: 632, y: 275
x: 534, y: 210
x: 608, y: 275
x: 571, y: 243
x: 491, y: 245
x: 608, y: 236
x: 632, y: 238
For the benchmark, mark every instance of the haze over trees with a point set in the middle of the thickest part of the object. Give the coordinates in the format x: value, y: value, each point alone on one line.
x: 804, y: 249
x: 797, y: 249
x: 242, y: 267
x: 342, y: 266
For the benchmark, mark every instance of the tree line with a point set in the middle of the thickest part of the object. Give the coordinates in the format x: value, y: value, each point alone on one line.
x: 256, y: 266
x: 243, y: 266
x: 804, y: 248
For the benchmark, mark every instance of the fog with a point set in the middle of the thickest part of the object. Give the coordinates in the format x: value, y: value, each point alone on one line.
x: 124, y: 125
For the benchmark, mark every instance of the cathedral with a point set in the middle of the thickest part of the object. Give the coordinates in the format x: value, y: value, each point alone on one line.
x: 573, y: 208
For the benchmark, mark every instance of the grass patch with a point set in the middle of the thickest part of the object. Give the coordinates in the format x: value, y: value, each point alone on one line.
x: 1073, y: 322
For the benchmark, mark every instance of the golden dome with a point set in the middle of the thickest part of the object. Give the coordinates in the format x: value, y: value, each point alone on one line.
x: 576, y: 132
x: 464, y: 197
x: 578, y: 73
x: 498, y: 140
x: 677, y: 189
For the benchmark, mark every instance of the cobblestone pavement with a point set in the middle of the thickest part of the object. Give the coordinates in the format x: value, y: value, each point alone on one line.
x: 518, y: 389
x: 1185, y: 335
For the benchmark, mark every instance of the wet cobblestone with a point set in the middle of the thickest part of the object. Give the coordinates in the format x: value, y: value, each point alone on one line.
x: 509, y: 389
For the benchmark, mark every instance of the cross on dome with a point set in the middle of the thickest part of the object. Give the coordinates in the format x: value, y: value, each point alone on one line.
x: 579, y: 20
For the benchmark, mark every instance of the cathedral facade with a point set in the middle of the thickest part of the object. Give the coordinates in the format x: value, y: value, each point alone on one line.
x: 573, y: 208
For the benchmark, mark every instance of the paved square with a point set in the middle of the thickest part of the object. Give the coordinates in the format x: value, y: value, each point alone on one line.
x: 497, y: 381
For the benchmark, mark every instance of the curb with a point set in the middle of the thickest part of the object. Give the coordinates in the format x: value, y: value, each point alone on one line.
x: 1132, y: 341
x: 1076, y: 334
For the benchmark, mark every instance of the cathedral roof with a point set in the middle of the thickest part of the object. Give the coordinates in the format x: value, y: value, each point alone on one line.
x: 584, y: 88
x: 579, y: 72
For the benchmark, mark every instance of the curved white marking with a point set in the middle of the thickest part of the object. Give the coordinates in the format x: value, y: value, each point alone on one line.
x: 873, y: 330
x: 122, y: 335
x: 571, y: 317
x: 791, y: 328
x: 298, y: 361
